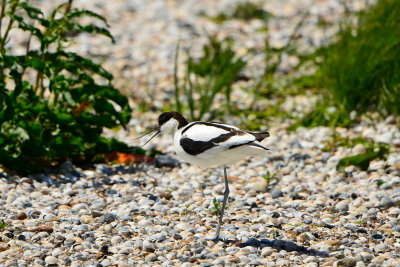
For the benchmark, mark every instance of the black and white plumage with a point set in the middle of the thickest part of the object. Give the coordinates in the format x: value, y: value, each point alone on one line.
x: 208, y: 144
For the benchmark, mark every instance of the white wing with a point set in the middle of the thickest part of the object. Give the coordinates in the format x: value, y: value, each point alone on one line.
x: 211, y: 138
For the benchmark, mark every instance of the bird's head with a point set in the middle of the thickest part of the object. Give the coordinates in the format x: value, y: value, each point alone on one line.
x: 168, y: 122
x: 171, y: 121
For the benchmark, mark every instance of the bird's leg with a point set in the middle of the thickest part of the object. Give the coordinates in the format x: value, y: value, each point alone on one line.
x: 226, y: 194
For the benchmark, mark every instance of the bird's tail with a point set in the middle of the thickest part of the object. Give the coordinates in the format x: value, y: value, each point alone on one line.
x: 260, y: 136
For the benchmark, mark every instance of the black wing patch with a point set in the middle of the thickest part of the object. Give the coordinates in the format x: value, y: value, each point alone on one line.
x: 193, y: 147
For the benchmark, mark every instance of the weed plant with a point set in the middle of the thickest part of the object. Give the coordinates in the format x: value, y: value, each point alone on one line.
x: 216, y: 207
x: 213, y: 73
x: 360, y: 71
x: 373, y: 151
x: 3, y: 225
x: 272, y: 84
x: 61, y: 113
x: 243, y: 11
x: 269, y: 178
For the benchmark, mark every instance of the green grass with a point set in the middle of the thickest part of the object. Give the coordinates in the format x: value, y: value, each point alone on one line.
x: 360, y: 71
x: 243, y: 11
x: 216, y: 207
x: 206, y: 77
x: 269, y: 178
x: 3, y: 225
x: 373, y: 151
x: 361, y: 222
x: 379, y: 183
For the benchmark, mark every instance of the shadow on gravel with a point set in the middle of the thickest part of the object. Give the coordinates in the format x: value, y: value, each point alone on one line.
x: 278, y: 244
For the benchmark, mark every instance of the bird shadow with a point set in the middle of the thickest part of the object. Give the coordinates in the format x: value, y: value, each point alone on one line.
x: 278, y: 244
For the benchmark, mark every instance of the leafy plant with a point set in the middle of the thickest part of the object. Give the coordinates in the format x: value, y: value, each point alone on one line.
x: 213, y: 73
x: 187, y: 210
x: 376, y: 151
x: 3, y: 225
x: 269, y: 178
x: 379, y: 183
x: 360, y: 70
x: 243, y: 11
x: 372, y: 151
x: 361, y: 222
x: 61, y: 112
x: 323, y: 115
x: 216, y: 207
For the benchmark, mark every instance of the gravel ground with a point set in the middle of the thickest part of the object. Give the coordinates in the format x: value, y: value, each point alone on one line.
x: 309, y: 214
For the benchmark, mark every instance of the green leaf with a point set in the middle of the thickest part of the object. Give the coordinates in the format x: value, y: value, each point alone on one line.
x: 63, y: 114
x: 76, y: 13
x: 362, y: 161
x: 37, y: 64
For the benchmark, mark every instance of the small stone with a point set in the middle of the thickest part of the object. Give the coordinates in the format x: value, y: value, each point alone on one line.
x: 108, y: 228
x: 57, y: 252
x: 386, y: 203
x: 244, y: 259
x: 126, y: 250
x: 276, y: 193
x: 332, y: 242
x: 148, y: 246
x: 151, y: 257
x: 282, y: 262
x: 386, y: 186
x: 22, y: 216
x: 385, y: 138
x: 255, y: 263
x: 261, y: 185
x: 144, y: 222
x: 116, y: 240
x: 233, y: 259
x: 159, y: 237
x: 396, y: 228
x: 108, y: 218
x: 303, y: 237
x: 177, y: 236
x: 106, y: 262
x: 165, y: 161
x: 67, y: 166
x: 50, y: 260
x: 342, y: 206
x: 45, y: 228
x: 358, y: 149
x: 165, y: 196
x: 26, y: 180
x: 394, y: 211
x: 372, y: 211
x: 86, y: 219
x: 138, y: 243
x: 346, y: 262
x: 267, y: 251
x: 96, y: 213
x: 9, y: 235
x: 377, y: 236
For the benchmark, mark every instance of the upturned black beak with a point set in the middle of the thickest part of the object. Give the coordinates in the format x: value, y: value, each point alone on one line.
x: 152, y: 130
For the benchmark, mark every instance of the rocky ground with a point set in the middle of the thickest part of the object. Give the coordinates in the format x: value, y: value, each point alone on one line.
x: 161, y: 214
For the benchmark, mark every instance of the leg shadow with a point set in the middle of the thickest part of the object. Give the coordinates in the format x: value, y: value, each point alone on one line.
x: 278, y: 244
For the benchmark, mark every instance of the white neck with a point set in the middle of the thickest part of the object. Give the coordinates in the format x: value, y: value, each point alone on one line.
x: 170, y: 126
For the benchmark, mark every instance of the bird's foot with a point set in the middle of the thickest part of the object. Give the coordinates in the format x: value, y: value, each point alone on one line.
x: 215, y: 239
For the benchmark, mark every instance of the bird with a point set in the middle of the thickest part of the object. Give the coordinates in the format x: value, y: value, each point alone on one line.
x: 209, y: 144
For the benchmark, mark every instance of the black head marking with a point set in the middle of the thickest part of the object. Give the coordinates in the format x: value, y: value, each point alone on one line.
x: 166, y: 116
